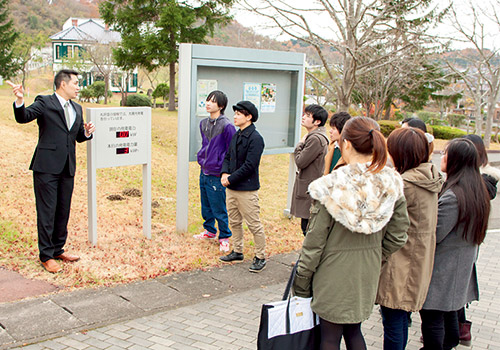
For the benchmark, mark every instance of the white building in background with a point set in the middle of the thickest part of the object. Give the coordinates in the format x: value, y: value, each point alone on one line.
x: 69, y: 43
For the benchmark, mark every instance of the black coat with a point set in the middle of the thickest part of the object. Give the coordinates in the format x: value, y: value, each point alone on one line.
x: 243, y: 158
x: 56, y: 143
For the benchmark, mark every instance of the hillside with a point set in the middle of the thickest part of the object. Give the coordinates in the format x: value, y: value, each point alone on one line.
x: 35, y: 16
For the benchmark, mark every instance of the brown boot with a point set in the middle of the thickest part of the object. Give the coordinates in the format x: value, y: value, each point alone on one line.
x: 465, y: 336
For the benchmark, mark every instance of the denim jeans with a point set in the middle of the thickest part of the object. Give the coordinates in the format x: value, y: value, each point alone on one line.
x: 213, y: 205
x: 439, y: 329
x: 395, y: 328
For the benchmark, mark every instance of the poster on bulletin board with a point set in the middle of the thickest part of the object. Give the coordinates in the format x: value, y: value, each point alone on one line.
x: 203, y: 88
x: 251, y: 92
x: 268, y: 98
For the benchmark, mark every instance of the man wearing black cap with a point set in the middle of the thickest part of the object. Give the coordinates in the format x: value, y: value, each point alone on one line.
x: 240, y: 175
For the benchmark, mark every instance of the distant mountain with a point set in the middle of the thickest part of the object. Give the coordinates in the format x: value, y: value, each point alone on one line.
x: 48, y: 16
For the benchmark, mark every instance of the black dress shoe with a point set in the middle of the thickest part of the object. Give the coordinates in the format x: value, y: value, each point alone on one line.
x: 258, y: 265
x: 233, y: 256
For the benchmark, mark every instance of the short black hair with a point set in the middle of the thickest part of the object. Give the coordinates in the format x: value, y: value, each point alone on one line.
x: 339, y: 119
x: 415, y: 123
x: 318, y: 113
x: 220, y: 98
x: 64, y: 74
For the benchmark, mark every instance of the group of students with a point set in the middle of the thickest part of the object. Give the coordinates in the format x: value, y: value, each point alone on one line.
x: 381, y: 224
x: 385, y: 228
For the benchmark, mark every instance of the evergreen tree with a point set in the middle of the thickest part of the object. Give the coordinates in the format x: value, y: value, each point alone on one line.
x: 152, y: 30
x: 8, y: 35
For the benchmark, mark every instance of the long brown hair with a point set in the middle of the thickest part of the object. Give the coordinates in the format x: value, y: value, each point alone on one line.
x: 408, y: 148
x: 366, y: 138
x: 464, y: 179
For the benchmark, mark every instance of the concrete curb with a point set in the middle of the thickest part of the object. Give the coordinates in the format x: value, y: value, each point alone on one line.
x: 35, y: 320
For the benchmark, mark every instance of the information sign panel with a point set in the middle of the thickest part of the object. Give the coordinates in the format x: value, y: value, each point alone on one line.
x: 122, y: 137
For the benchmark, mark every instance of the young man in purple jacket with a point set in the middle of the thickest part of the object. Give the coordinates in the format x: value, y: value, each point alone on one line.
x: 216, y: 133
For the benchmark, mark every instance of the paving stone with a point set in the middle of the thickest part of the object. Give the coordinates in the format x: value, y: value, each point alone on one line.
x: 83, y: 305
x: 34, y: 318
x: 159, y: 340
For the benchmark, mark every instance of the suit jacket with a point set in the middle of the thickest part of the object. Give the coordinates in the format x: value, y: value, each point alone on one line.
x: 56, y: 144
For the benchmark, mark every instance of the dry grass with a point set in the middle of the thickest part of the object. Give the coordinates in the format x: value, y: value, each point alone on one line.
x: 123, y: 254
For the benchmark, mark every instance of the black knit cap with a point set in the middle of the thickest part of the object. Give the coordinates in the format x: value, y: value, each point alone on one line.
x: 249, y: 107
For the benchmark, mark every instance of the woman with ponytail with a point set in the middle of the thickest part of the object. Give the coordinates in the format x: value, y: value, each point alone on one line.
x: 358, y: 218
x: 463, y: 211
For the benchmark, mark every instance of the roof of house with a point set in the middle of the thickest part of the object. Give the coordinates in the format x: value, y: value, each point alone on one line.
x: 89, y: 29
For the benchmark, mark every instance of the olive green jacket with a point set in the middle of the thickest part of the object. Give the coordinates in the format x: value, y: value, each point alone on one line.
x: 357, y: 218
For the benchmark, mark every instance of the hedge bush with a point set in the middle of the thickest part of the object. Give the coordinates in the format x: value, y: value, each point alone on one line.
x: 387, y: 126
x: 138, y: 101
x: 447, y: 132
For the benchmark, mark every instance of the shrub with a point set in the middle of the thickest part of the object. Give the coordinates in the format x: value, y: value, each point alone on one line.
x: 447, y: 132
x: 456, y: 119
x: 85, y: 94
x: 98, y: 90
x: 388, y: 126
x: 437, y: 121
x: 426, y: 116
x: 162, y: 90
x: 138, y: 100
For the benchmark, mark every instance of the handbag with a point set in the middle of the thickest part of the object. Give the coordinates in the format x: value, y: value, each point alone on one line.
x: 289, y: 324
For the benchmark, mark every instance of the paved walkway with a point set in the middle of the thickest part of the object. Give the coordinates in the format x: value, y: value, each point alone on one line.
x: 231, y: 322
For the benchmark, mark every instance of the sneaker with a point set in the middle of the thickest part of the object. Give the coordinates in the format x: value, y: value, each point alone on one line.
x: 233, y: 256
x: 224, y: 245
x: 205, y: 235
x: 258, y: 265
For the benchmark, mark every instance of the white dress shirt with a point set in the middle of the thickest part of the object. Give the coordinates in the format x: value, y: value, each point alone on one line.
x: 72, y: 112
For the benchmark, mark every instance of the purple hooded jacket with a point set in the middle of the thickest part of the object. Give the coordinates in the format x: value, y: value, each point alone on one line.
x: 216, y: 135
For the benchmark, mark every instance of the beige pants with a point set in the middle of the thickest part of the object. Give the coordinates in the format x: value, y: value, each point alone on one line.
x: 245, y: 205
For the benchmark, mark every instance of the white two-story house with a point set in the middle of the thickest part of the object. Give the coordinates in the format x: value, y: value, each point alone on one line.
x: 69, y: 44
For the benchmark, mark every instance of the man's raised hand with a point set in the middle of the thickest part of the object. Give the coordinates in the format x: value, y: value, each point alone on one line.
x: 17, y: 89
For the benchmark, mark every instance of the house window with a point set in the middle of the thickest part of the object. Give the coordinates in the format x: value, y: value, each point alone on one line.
x: 69, y: 53
x: 76, y: 51
x: 58, y: 52
x: 134, y: 80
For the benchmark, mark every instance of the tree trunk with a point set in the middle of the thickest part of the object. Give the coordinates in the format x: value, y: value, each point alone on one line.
x: 171, y: 97
x: 106, y: 87
x: 387, y: 114
x: 489, y: 120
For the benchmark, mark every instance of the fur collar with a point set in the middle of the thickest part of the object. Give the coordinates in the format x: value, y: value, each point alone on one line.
x: 491, y: 171
x: 360, y: 200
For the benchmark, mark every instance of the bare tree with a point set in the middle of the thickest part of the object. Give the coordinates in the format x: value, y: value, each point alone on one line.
x: 351, y: 28
x: 100, y: 55
x: 482, y: 77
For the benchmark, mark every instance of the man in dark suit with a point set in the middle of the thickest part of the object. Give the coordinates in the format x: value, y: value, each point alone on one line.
x: 60, y: 124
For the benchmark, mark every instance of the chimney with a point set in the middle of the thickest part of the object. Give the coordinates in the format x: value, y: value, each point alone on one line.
x: 106, y: 26
x: 74, y: 22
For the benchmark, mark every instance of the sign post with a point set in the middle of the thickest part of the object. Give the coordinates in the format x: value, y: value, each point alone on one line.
x: 122, y: 137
